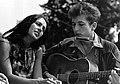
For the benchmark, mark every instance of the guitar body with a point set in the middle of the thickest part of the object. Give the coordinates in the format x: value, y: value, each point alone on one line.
x: 60, y: 64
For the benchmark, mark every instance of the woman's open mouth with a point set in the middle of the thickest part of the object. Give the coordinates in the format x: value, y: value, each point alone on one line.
x: 37, y: 33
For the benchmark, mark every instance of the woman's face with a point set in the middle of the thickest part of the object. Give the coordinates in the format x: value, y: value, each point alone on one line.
x: 37, y: 29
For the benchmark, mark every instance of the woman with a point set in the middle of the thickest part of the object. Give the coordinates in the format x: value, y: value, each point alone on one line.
x: 20, y: 51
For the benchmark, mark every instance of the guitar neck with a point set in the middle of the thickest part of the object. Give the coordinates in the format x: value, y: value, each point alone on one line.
x: 86, y: 75
x: 94, y: 75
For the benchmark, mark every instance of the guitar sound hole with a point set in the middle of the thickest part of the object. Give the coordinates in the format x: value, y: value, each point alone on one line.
x: 73, y: 77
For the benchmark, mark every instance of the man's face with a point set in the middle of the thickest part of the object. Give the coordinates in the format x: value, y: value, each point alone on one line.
x: 82, y: 28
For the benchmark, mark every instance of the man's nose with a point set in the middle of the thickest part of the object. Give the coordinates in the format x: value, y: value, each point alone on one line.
x: 76, y: 28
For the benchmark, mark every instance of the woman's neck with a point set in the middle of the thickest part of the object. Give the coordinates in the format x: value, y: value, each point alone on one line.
x: 27, y: 41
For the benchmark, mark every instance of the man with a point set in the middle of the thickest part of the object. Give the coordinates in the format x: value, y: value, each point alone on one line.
x: 86, y: 48
x: 113, y: 34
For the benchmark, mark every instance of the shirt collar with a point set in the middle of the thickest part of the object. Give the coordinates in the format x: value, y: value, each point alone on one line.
x: 96, y: 41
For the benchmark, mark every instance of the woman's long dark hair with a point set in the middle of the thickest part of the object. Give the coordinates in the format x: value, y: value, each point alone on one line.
x: 17, y: 33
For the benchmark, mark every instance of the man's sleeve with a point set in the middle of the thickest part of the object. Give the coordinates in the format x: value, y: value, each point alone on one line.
x: 116, y: 54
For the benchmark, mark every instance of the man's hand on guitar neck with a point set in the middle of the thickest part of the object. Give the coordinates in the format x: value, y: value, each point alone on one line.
x: 114, y: 78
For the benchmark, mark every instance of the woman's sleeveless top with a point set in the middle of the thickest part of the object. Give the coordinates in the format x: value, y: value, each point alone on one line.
x: 22, y: 61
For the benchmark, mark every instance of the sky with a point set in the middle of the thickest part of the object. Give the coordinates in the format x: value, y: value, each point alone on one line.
x: 13, y: 10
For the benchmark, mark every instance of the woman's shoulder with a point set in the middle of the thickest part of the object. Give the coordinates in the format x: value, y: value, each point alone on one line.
x: 3, y: 39
x: 4, y: 48
x: 4, y: 42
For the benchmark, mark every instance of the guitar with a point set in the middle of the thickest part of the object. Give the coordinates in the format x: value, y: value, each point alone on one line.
x: 78, y: 71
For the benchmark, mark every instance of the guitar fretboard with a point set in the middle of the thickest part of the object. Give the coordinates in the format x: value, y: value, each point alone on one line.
x: 86, y: 75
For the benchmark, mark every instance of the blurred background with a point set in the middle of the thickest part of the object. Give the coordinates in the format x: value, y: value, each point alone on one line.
x: 12, y: 11
x: 59, y: 24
